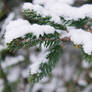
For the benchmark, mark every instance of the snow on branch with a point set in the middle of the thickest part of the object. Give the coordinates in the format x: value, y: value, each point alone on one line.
x: 50, y: 23
x: 20, y: 27
x: 45, y: 2
x: 37, y: 60
x: 82, y: 37
x: 57, y: 9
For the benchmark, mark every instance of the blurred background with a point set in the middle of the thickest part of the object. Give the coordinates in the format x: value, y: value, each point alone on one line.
x: 72, y: 73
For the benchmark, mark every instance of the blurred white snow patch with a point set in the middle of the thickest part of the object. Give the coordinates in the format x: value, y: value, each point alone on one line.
x: 68, y: 73
x: 50, y: 86
x: 85, y: 64
x: 9, y: 61
x: 82, y: 82
x: 1, y: 85
x: 2, y: 47
x: 62, y: 89
x: 37, y: 60
x: 34, y: 68
x: 44, y: 80
x: 81, y: 37
x: 43, y: 2
x: 37, y: 86
x: 20, y: 27
x: 25, y: 73
x: 90, y: 74
x: 58, y: 71
x: 7, y: 20
x: 46, y: 87
x: 88, y: 89
x: 14, y: 74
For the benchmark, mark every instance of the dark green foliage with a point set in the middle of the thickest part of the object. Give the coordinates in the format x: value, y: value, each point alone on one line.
x: 6, y: 84
x: 6, y: 88
x: 33, y: 17
x: 49, y: 40
x: 80, y: 23
x: 4, y: 53
x: 15, y: 45
x: 2, y: 15
x: 30, y: 40
x: 86, y: 56
x: 46, y: 68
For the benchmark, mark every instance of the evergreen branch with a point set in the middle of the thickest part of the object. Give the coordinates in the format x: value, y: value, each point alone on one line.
x: 51, y: 41
x: 30, y: 40
x: 80, y: 23
x: 46, y: 68
x: 33, y: 17
x: 86, y: 57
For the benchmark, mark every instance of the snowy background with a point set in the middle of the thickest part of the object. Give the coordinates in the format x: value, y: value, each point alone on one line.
x: 72, y: 73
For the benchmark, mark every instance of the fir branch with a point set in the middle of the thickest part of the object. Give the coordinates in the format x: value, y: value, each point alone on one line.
x: 31, y: 40
x: 86, y: 57
x: 46, y: 68
x: 80, y: 23
x: 51, y: 41
x: 33, y: 17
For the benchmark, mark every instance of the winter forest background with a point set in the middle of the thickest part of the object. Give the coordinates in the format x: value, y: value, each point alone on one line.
x: 71, y: 74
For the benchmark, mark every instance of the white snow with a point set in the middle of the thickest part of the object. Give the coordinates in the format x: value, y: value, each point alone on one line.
x: 37, y: 60
x: 50, y: 86
x: 25, y: 73
x: 81, y: 37
x: 57, y: 8
x: 34, y: 68
x: 88, y: 88
x: 1, y: 85
x: 85, y: 64
x: 82, y: 82
x: 9, y: 18
x: 13, y: 74
x: 43, y: 2
x: 90, y: 75
x: 20, y: 27
x: 9, y: 61
x: 2, y: 47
